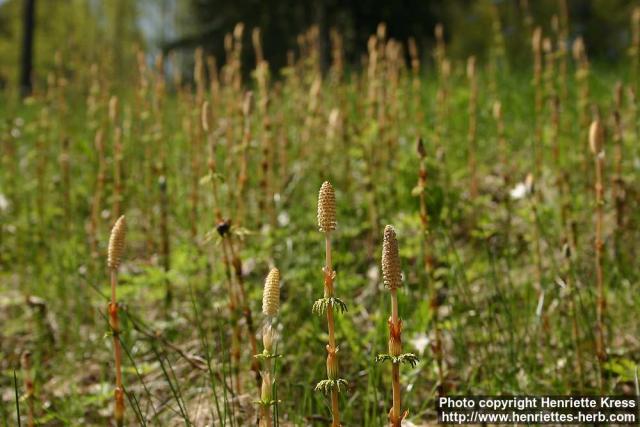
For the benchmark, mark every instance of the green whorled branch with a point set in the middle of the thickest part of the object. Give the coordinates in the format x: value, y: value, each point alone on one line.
x: 408, y: 358
x: 265, y: 355
x: 266, y: 403
x: 321, y: 305
x: 329, y: 384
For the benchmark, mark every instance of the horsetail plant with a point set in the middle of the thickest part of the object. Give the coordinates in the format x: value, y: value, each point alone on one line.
x: 416, y: 82
x: 634, y: 50
x: 424, y: 214
x: 44, y: 124
x: 327, y: 223
x: 582, y: 83
x: 392, y: 276
x: 442, y: 93
x: 472, y: 129
x: 65, y: 174
x: 428, y: 261
x: 503, y: 155
x: 196, y: 142
x: 117, y: 156
x: 497, y: 51
x: 570, y: 286
x: 231, y: 260
x: 617, y: 180
x: 96, y: 201
x: 270, y: 307
x: 243, y: 160
x: 531, y: 192
x: 549, y: 73
x: 596, y: 144
x: 25, y: 361
x: 116, y: 247
x: 236, y: 262
x: 562, y: 49
x: 503, y: 149
x: 536, y: 46
x: 561, y: 181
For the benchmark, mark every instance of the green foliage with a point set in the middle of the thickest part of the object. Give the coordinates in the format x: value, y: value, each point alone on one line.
x: 321, y: 305
x: 408, y: 358
x: 265, y: 355
x: 82, y: 31
x: 327, y: 385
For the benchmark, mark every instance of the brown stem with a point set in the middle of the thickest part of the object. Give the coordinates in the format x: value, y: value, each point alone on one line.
x: 330, y: 323
x: 424, y: 215
x: 601, y: 301
x: 29, y: 387
x: 115, y: 330
x: 235, y: 354
x: 576, y: 339
x: 164, y: 235
x: 243, y: 159
x: 283, y: 146
x: 504, y: 163
x: 226, y: 258
x: 246, y: 310
x: 331, y: 349
x: 395, y: 349
x: 233, y: 305
x: 617, y: 183
x: 117, y: 172
x: 437, y: 346
x: 395, y: 418
x: 66, y: 177
x: 97, y: 194
x: 562, y: 182
x: 195, y: 146
x: 335, y: 408
x: 582, y: 79
x: 473, y: 93
x: 266, y: 161
x: 537, y: 82
x: 265, y: 416
x: 265, y: 407
x: 537, y: 246
x: 395, y: 371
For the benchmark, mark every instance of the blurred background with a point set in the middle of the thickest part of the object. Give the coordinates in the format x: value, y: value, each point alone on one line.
x: 108, y: 31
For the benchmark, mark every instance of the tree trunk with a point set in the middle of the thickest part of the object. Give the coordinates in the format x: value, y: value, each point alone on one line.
x: 26, y: 64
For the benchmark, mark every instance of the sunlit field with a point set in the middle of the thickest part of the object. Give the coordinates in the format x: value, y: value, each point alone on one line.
x: 214, y: 241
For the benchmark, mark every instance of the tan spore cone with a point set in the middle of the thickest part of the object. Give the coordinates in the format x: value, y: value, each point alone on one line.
x: 596, y: 137
x: 391, y: 271
x: 327, y: 208
x: 271, y: 294
x: 116, y: 243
